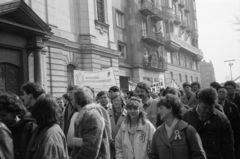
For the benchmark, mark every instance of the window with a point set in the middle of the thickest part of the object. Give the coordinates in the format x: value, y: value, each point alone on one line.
x: 120, y: 19
x: 193, y: 42
x: 70, y: 74
x: 122, y: 50
x: 196, y: 79
x: 191, y: 78
x: 180, y: 14
x: 184, y: 61
x: 167, y: 3
x: 169, y: 57
x: 100, y: 11
x: 171, y: 28
x: 166, y: 26
x: 174, y: 9
x: 195, y: 23
x: 180, y: 78
x: 186, y: 78
x: 144, y: 29
x: 171, y: 75
x: 178, y: 58
x: 194, y: 5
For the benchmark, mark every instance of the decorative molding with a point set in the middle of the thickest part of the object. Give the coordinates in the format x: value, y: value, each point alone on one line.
x: 102, y: 27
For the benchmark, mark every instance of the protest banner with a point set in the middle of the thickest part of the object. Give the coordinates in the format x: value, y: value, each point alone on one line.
x: 100, y: 80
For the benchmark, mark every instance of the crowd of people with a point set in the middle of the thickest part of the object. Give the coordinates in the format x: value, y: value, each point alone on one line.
x: 196, y: 123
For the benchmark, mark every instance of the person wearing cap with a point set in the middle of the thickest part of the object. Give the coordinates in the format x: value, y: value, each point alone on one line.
x: 175, y: 138
x: 149, y: 104
x: 113, y: 91
x: 135, y: 134
x: 232, y: 113
x: 233, y: 96
x: 189, y: 98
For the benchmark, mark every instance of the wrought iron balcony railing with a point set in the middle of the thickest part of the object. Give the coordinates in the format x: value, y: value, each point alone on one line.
x: 155, y: 38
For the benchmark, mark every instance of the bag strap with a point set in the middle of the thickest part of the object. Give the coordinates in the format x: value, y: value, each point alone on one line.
x: 188, y: 143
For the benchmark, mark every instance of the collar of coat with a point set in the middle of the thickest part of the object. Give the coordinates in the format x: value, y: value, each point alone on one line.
x: 124, y: 112
x: 179, y: 127
x: 139, y: 128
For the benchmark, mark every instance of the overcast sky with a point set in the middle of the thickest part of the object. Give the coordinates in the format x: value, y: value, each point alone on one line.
x: 218, y: 38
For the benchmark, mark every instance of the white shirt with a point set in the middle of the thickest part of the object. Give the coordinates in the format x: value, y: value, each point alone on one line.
x: 169, y: 130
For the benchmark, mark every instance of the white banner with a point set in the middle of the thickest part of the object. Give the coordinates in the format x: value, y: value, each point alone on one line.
x: 100, y: 80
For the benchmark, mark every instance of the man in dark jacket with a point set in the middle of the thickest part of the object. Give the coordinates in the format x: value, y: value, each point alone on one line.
x: 213, y: 126
x: 233, y: 96
x: 232, y: 112
x: 189, y: 98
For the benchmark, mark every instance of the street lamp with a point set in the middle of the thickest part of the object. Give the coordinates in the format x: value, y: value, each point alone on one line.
x: 230, y: 65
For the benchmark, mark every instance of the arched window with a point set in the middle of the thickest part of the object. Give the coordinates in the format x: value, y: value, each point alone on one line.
x: 70, y: 75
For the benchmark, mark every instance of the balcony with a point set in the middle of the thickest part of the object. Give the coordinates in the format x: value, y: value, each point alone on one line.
x: 189, y: 28
x: 189, y: 49
x: 157, y: 16
x: 187, y: 8
x: 171, y: 42
x: 154, y: 62
x: 152, y: 38
x: 184, y: 24
x: 177, y: 20
x: 147, y: 8
x: 181, y: 3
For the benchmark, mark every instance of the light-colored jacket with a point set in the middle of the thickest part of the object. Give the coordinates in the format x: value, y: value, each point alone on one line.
x: 152, y: 111
x: 142, y: 141
x: 116, y: 126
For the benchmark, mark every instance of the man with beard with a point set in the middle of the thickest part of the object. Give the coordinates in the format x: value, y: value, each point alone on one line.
x: 232, y: 112
x: 213, y: 126
x: 189, y: 98
x: 149, y: 104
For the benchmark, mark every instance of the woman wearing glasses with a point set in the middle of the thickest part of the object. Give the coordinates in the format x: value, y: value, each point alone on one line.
x: 136, y: 132
x: 175, y: 139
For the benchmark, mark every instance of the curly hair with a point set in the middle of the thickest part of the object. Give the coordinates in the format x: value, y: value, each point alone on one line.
x: 46, y: 111
x: 172, y: 101
x: 122, y: 99
x: 33, y: 88
x: 231, y: 83
x: 196, y: 83
x: 10, y: 103
x: 170, y: 90
x: 207, y: 96
x: 143, y: 85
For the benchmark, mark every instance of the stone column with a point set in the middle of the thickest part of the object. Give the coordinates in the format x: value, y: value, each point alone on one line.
x: 37, y: 66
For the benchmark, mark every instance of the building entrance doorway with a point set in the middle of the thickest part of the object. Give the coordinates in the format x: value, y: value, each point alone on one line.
x: 9, y: 78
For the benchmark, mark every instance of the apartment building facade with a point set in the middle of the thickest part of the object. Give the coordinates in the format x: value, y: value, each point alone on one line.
x: 45, y: 40
x: 142, y: 40
x: 158, y: 40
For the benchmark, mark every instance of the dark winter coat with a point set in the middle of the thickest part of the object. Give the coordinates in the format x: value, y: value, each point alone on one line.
x: 21, y: 133
x: 172, y: 148
x: 215, y: 132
